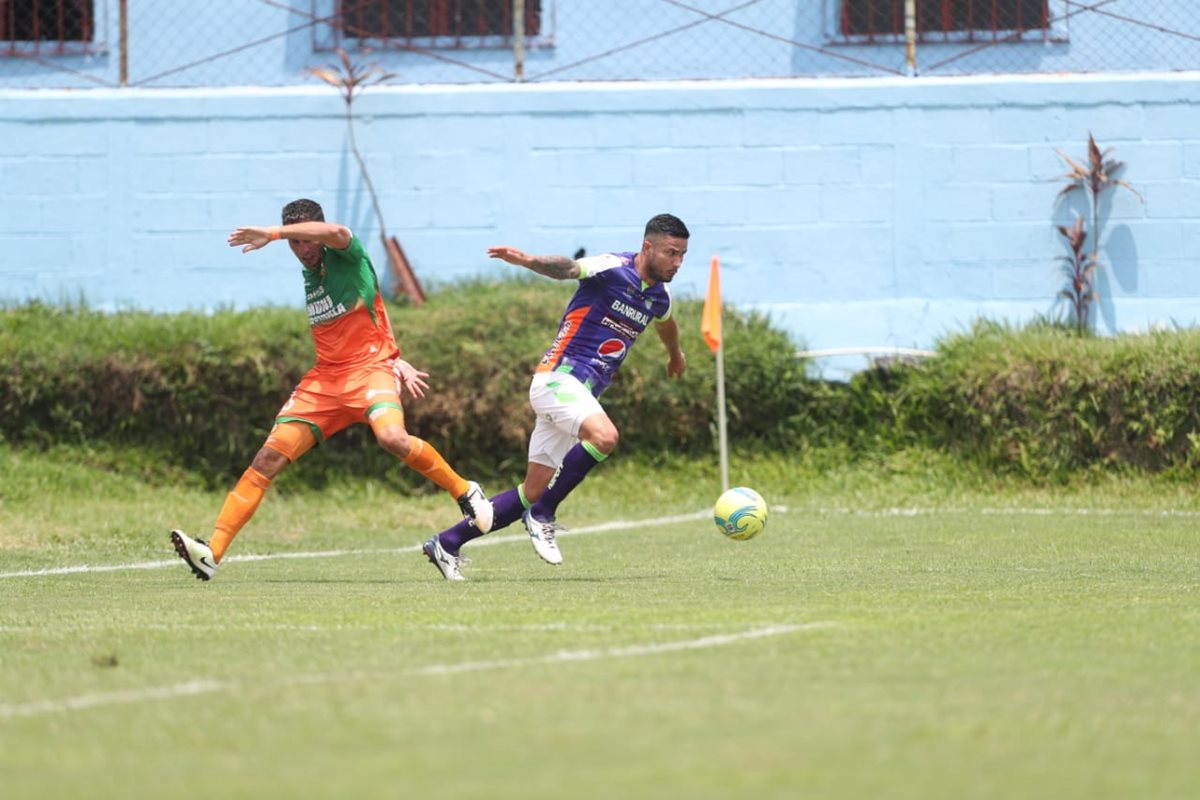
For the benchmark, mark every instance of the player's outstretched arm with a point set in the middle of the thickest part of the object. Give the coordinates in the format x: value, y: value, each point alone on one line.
x: 327, y: 233
x: 668, y: 331
x: 557, y: 267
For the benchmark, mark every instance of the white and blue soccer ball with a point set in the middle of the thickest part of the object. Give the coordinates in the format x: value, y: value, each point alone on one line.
x: 740, y: 513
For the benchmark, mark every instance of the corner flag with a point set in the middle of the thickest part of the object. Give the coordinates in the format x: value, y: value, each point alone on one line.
x: 710, y: 318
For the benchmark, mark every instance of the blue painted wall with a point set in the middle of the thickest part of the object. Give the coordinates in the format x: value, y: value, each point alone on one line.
x: 855, y: 212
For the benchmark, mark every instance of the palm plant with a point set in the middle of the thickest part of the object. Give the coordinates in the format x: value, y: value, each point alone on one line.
x: 1080, y: 268
x: 1095, y: 177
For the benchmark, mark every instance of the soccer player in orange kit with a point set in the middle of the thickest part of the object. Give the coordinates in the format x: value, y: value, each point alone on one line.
x: 358, y: 377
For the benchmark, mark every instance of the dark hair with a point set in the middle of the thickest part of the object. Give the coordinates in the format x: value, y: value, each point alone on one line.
x: 666, y: 225
x: 303, y: 211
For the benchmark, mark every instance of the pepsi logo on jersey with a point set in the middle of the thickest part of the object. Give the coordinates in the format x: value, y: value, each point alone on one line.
x: 611, y: 349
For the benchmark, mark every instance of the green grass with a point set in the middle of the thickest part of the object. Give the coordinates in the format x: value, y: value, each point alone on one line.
x: 933, y: 633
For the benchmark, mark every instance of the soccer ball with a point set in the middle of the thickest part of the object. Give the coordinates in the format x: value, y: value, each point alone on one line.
x: 740, y: 513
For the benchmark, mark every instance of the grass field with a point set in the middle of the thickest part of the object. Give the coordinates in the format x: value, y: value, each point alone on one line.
x: 898, y: 631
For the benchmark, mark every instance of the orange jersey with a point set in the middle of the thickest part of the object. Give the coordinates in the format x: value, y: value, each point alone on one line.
x: 349, y: 322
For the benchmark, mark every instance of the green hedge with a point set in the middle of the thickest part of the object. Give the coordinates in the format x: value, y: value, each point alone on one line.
x: 1041, y: 401
x: 200, y: 391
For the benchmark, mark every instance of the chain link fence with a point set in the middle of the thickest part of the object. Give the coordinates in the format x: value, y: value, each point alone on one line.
x: 150, y: 43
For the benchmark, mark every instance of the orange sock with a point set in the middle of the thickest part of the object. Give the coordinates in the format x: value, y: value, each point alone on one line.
x: 240, y: 505
x: 429, y: 462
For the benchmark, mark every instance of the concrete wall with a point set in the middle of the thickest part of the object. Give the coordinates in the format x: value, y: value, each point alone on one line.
x: 854, y: 212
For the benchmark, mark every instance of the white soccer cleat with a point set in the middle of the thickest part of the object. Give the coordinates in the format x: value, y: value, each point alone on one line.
x: 543, y: 534
x: 450, y: 566
x: 196, y: 553
x: 476, y: 507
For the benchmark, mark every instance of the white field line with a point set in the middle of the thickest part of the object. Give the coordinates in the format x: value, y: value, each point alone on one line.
x: 324, y: 630
x: 917, y: 511
x: 626, y: 524
x: 196, y: 687
x: 85, y: 701
x: 484, y: 541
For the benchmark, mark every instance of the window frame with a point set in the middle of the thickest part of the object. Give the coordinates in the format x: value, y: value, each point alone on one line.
x: 328, y: 36
x: 63, y: 48
x: 1058, y: 31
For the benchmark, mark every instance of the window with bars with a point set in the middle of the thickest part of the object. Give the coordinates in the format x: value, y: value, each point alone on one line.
x: 871, y: 21
x: 46, y: 27
x: 436, y: 23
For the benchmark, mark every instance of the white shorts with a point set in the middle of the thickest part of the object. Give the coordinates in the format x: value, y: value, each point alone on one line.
x: 561, y: 403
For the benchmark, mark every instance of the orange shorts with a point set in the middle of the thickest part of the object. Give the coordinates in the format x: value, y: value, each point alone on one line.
x: 328, y: 401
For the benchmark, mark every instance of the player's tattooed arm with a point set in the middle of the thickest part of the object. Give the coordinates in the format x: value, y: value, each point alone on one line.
x: 557, y: 267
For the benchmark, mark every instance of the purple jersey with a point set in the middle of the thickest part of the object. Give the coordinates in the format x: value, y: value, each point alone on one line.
x: 609, y: 310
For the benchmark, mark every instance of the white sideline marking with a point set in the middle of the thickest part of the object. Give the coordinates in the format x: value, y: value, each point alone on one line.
x: 916, y: 511
x: 630, y: 651
x: 415, y: 548
x: 85, y: 701
x: 190, y: 688
x: 624, y: 524
x: 189, y: 627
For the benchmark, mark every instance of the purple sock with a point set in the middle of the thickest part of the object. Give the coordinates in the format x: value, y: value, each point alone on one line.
x: 506, y: 509
x: 576, y: 464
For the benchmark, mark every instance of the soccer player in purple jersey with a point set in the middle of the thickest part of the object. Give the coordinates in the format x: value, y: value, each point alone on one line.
x: 619, y: 295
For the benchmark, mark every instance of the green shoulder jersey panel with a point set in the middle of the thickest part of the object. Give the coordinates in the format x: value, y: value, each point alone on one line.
x: 344, y: 278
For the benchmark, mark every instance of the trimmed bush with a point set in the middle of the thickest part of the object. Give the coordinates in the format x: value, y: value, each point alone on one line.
x: 1042, y: 401
x: 199, y: 392
x: 202, y: 390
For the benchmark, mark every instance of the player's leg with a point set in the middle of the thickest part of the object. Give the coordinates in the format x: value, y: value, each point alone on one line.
x: 598, y: 438
x: 309, y: 415
x: 442, y: 549
x: 286, y: 443
x: 508, y: 507
x: 582, y: 435
x: 565, y: 410
x: 385, y: 415
x: 547, y: 444
x: 575, y: 463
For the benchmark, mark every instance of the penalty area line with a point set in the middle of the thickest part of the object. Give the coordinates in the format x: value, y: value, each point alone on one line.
x: 198, y: 687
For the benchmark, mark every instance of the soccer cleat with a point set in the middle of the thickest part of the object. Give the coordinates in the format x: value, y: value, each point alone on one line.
x: 476, y: 507
x: 542, y: 534
x: 196, y: 553
x: 448, y: 565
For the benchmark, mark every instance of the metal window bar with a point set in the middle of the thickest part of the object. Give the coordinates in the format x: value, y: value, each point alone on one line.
x: 46, y: 27
x: 882, y: 21
x: 448, y: 24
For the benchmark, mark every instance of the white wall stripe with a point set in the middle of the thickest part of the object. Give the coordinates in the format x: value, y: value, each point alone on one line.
x: 196, y: 687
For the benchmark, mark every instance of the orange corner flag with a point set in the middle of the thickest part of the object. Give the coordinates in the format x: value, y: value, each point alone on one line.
x: 710, y: 319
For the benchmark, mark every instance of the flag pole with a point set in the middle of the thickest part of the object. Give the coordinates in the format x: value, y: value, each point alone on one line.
x: 723, y: 438
x: 710, y: 329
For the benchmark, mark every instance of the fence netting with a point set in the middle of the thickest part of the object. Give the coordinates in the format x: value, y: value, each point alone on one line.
x: 153, y: 43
